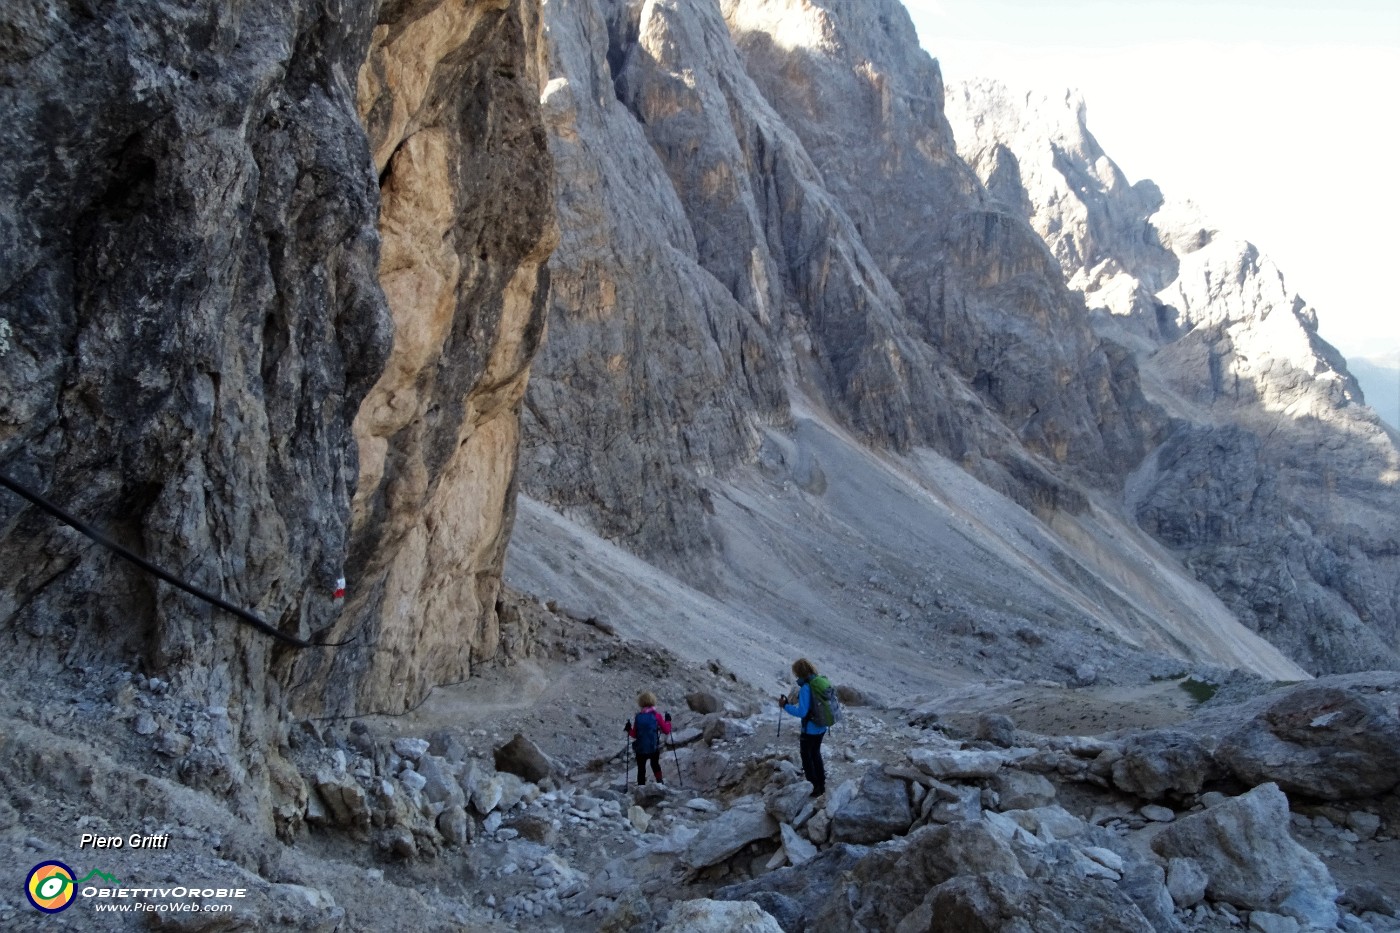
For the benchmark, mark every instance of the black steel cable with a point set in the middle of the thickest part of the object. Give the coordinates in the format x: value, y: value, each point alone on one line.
x: 243, y: 615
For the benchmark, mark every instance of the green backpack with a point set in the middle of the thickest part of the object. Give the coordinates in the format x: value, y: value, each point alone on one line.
x: 826, y: 708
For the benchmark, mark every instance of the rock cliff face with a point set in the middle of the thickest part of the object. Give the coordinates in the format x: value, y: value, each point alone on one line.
x: 191, y: 317
x: 764, y: 208
x: 763, y: 200
x: 450, y: 98
x: 1275, y: 483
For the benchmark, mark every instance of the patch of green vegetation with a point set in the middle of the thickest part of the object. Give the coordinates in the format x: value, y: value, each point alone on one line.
x: 1198, y: 690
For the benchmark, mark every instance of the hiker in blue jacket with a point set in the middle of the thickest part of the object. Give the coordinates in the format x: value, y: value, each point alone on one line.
x: 810, y: 742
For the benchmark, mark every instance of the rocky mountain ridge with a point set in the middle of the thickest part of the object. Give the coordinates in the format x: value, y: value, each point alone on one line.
x: 802, y: 148
x: 1297, y: 531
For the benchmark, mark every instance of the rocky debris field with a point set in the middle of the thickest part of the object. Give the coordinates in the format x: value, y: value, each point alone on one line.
x: 507, y: 803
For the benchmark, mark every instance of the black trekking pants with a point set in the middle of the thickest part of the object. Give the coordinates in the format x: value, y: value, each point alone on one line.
x: 642, y: 759
x: 812, y: 768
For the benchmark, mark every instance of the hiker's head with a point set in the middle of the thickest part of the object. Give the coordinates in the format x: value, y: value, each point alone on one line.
x: 803, y: 669
x: 646, y: 698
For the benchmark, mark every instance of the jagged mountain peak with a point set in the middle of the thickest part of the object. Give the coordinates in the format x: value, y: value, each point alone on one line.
x: 1228, y: 349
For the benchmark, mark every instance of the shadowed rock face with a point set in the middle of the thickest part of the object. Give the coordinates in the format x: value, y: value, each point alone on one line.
x: 191, y: 316
x: 1276, y: 484
x: 759, y: 198
x: 187, y: 278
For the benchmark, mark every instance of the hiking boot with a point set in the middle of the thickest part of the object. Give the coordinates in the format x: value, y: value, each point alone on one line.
x: 817, y: 792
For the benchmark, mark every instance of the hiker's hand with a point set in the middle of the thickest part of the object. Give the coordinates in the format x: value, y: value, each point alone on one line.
x: 668, y: 717
x: 627, y: 726
x: 782, y: 702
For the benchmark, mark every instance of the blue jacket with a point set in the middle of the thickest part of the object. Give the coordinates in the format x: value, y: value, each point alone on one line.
x: 802, y: 707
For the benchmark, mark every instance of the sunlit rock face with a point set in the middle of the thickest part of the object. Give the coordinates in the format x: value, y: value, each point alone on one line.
x: 1277, y: 485
x: 449, y: 94
x: 759, y: 199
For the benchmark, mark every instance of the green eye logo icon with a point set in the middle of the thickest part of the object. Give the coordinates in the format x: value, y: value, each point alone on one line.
x: 50, y: 887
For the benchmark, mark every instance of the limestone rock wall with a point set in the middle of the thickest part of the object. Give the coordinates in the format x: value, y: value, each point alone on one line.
x: 1276, y: 483
x: 654, y: 373
x: 271, y: 275
x: 977, y: 290
x: 192, y: 316
x: 762, y: 199
x: 450, y: 98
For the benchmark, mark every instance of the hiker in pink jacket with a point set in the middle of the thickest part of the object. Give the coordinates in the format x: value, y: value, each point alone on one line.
x: 645, y: 731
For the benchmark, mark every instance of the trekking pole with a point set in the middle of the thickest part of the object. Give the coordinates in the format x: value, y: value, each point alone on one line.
x: 625, y: 743
x: 672, y: 742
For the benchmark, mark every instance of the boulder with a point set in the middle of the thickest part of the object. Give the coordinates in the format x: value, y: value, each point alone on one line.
x: 513, y: 790
x: 1157, y: 814
x: 1050, y: 823
x: 1320, y: 741
x: 1261, y: 921
x: 414, y: 781
x: 346, y: 802
x: 522, y: 757
x: 1186, y: 882
x: 440, y: 784
x: 853, y: 696
x: 955, y: 764
x: 487, y: 791
x: 792, y: 894
x: 785, y: 803
x: 893, y: 880
x: 1250, y: 860
x: 1155, y: 764
x: 1145, y: 883
x: 688, y: 736
x: 997, y: 729
x: 1017, y: 790
x: 725, y: 835
x: 296, y: 907
x: 997, y: 901
x: 966, y: 805
x: 448, y: 746
x: 707, y: 916
x: 1366, y: 897
x: 880, y: 809
x: 703, y: 702
x: 799, y: 850
x: 412, y: 749
x: 714, y: 726
x: 455, y: 826
x: 533, y: 829
x: 649, y: 794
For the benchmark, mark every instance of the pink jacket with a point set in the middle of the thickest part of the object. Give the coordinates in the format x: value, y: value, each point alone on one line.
x: 661, y: 721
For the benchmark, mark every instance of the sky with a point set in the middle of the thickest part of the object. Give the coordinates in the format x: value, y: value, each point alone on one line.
x: 1280, y: 119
